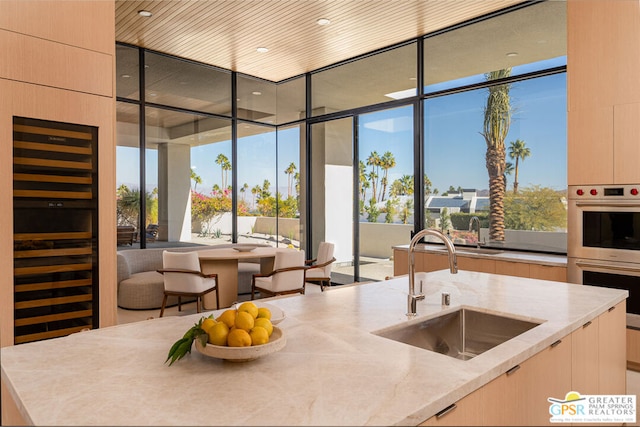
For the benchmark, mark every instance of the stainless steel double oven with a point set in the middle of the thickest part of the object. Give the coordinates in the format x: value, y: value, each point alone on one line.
x: 603, y: 245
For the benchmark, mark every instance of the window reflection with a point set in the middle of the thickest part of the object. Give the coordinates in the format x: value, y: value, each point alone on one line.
x: 184, y: 84
x: 389, y: 75
x: 457, y: 183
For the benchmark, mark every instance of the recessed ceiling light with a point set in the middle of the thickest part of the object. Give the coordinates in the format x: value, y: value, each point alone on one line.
x: 145, y: 13
x: 401, y: 94
x: 125, y: 76
x: 323, y: 21
x: 262, y: 50
x: 256, y: 93
x: 512, y: 54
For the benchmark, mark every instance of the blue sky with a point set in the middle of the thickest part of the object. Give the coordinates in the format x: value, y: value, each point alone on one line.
x: 454, y: 153
x: 454, y: 147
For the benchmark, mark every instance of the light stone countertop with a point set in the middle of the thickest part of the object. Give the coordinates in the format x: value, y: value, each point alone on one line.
x: 495, y: 253
x: 332, y: 371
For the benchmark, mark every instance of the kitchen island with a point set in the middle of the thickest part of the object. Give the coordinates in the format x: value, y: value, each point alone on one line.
x: 332, y: 371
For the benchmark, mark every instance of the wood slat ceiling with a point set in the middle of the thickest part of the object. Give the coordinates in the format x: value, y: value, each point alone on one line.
x: 226, y: 33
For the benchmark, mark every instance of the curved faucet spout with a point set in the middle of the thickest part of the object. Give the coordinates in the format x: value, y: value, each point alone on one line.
x: 453, y: 265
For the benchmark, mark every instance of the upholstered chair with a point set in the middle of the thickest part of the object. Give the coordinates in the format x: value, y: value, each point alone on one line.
x: 184, y: 278
x: 287, y: 277
x: 319, y: 271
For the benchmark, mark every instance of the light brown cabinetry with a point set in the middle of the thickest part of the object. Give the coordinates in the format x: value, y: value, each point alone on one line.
x: 518, y: 269
x: 466, y: 411
x: 597, y: 360
x: 590, y: 360
x: 603, y: 113
x: 548, y: 272
x: 432, y: 261
x: 585, y: 358
x: 52, y: 70
x: 633, y: 349
x: 612, y: 362
x: 519, y: 396
x: 477, y: 264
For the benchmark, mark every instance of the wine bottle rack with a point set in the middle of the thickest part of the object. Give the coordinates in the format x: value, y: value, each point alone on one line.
x: 55, y: 229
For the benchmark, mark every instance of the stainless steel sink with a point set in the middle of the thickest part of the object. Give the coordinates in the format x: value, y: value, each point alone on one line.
x: 462, y: 334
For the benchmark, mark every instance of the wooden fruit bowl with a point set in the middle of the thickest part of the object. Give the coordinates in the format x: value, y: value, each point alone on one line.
x: 277, y: 341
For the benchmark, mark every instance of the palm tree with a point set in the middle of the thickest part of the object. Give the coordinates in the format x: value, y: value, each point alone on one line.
x: 374, y: 161
x: 196, y: 179
x: 497, y: 120
x: 225, y: 167
x: 264, y: 192
x: 508, y: 170
x: 386, y: 162
x: 363, y: 184
x: 518, y: 151
x: 243, y: 189
x: 290, y: 171
x: 255, y: 191
x: 296, y: 180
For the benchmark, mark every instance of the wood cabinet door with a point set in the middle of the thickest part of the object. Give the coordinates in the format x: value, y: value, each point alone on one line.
x: 400, y: 262
x: 518, y: 269
x: 477, y: 264
x: 519, y: 397
x: 548, y: 272
x: 465, y: 412
x: 432, y: 261
x: 626, y: 150
x: 612, y: 345
x: 503, y: 399
x: 585, y: 358
x: 633, y: 349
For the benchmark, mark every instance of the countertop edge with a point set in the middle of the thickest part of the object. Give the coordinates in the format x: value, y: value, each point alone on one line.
x: 552, y: 260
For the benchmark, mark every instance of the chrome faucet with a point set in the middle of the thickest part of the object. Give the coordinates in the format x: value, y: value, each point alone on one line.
x: 477, y: 221
x: 453, y: 265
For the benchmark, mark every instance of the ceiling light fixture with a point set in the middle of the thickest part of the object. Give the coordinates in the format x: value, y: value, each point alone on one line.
x: 262, y: 50
x: 512, y: 54
x: 145, y: 13
x: 125, y: 76
x: 256, y: 93
x: 401, y: 94
x: 323, y: 21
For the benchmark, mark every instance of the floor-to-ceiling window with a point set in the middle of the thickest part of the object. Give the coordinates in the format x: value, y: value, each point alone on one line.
x: 370, y: 113
x: 385, y: 187
x: 495, y: 131
x: 332, y: 195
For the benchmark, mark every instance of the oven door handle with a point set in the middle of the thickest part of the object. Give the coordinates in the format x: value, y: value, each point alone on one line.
x: 608, y: 266
x: 608, y: 203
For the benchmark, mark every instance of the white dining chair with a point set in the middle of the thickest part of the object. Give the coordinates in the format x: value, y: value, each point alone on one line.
x: 184, y: 278
x: 287, y: 277
x: 319, y: 271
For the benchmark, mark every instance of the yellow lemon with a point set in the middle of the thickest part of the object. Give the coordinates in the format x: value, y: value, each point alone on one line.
x: 207, y: 324
x: 264, y: 312
x: 239, y: 338
x: 259, y: 335
x: 228, y: 317
x: 218, y: 334
x: 244, y: 321
x: 264, y: 323
x: 250, y: 308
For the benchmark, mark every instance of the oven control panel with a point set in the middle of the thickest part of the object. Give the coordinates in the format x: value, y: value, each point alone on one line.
x: 605, y: 192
